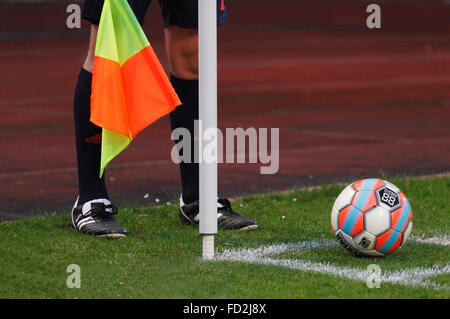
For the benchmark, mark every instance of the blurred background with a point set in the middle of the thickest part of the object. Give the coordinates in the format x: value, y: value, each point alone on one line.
x: 350, y: 102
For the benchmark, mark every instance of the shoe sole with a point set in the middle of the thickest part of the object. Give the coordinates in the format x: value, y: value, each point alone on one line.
x: 112, y: 236
x: 251, y: 227
x: 187, y: 221
x: 247, y: 228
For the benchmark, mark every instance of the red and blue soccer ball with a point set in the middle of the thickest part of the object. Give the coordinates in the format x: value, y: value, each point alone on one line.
x: 371, y: 217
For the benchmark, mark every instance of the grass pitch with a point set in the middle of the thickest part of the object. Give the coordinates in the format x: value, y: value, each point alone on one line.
x: 161, y: 259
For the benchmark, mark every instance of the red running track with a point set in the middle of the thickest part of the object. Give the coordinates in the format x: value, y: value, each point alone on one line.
x: 350, y: 102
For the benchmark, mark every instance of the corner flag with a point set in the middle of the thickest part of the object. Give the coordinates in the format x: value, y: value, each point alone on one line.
x: 130, y: 89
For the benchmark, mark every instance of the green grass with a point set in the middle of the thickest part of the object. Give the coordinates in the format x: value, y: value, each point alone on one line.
x: 161, y: 259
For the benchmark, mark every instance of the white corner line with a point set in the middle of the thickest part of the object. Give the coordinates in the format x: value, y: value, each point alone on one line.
x: 442, y: 241
x: 265, y: 255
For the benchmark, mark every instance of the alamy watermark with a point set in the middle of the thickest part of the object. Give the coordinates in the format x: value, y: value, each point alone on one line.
x: 238, y: 140
x: 74, y: 279
x: 374, y: 280
x: 73, y: 20
x: 373, y: 21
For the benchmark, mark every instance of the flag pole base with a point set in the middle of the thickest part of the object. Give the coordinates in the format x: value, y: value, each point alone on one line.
x: 208, y: 247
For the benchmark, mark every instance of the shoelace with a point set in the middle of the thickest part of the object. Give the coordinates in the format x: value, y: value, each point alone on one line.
x: 100, y: 211
x: 226, y: 207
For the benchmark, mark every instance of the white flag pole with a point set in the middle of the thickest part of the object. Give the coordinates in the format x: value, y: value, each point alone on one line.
x: 207, y: 38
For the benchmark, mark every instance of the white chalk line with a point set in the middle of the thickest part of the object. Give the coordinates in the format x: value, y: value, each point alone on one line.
x: 442, y: 241
x: 264, y: 255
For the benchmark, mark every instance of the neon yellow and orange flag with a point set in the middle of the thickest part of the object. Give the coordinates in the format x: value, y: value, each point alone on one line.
x: 130, y: 89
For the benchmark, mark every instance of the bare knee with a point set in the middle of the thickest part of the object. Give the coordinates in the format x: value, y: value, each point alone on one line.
x: 88, y: 64
x: 182, y: 51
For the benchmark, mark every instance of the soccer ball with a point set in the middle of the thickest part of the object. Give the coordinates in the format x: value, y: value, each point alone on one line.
x: 371, y: 217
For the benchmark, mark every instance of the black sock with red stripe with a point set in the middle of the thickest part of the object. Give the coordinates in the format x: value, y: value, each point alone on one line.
x: 88, y: 143
x: 184, y: 116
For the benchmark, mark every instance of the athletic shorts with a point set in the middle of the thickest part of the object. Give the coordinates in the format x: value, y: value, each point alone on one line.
x: 182, y: 13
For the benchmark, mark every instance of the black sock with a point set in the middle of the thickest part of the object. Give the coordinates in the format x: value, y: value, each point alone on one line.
x: 184, y: 116
x: 88, y: 143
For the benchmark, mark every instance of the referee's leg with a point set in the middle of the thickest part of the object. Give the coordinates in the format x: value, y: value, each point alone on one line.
x: 89, y: 61
x: 182, y: 52
x: 88, y: 135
